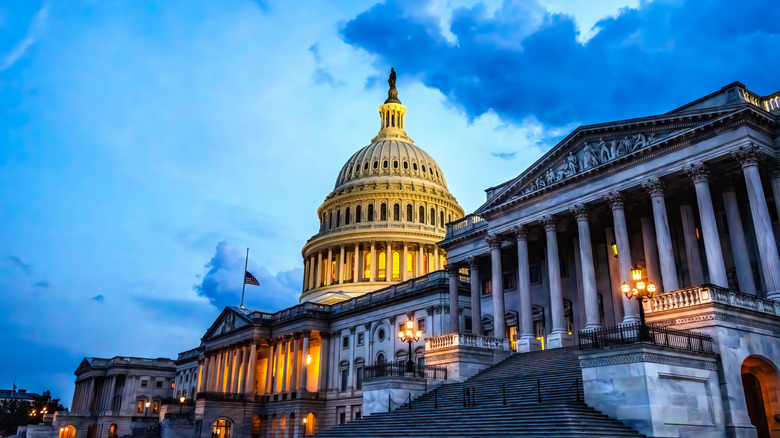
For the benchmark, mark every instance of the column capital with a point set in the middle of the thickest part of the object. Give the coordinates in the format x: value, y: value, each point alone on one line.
x: 520, y: 232
x: 352, y: 329
x: 698, y: 172
x: 297, y: 335
x: 473, y: 262
x: 324, y: 335
x: 615, y: 200
x: 580, y: 211
x: 549, y: 221
x: 429, y: 310
x: 747, y: 155
x: 391, y: 319
x: 493, y: 241
x: 654, y: 186
x: 306, y: 333
x: 452, y: 269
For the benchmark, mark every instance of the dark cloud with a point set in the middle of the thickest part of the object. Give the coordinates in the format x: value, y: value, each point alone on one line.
x: 504, y: 155
x: 20, y: 263
x: 43, y: 283
x: 99, y: 298
x: 524, y: 61
x: 222, y: 283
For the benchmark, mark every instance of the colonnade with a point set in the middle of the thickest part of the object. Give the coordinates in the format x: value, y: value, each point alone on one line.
x: 230, y: 369
x: 377, y: 261
x: 657, y: 246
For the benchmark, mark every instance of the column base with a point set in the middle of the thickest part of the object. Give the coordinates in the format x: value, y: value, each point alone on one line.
x: 527, y: 344
x: 559, y: 339
x: 630, y: 319
x: 773, y: 295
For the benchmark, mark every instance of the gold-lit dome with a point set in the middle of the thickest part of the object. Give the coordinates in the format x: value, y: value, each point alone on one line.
x: 390, y: 204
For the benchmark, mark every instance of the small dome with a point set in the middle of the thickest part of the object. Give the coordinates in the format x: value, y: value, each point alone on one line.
x: 391, y: 158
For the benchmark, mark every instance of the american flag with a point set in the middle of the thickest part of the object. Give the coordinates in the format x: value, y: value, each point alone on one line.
x: 250, y: 279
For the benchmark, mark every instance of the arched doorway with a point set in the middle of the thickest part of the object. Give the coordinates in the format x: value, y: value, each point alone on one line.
x: 92, y: 431
x: 112, y: 431
x: 67, y: 432
x: 761, y: 385
x: 291, y: 426
x: 309, y: 424
x: 220, y: 428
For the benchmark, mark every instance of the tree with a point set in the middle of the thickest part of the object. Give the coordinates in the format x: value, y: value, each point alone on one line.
x: 16, y: 412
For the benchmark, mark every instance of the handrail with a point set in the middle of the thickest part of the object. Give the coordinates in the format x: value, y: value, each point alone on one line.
x: 466, y: 340
x: 404, y: 369
x: 708, y: 293
x: 645, y: 333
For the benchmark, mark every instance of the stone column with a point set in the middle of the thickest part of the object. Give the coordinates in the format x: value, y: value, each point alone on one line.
x: 497, y: 281
x: 251, y: 367
x: 305, y: 275
x: 304, y: 366
x: 663, y: 237
x: 351, y: 357
x: 526, y: 340
x: 389, y: 262
x: 767, y: 247
x: 294, y: 362
x: 318, y: 281
x: 329, y: 268
x: 776, y: 187
x: 436, y: 261
x: 404, y: 260
x: 242, y: 377
x: 695, y: 266
x: 559, y: 337
x: 356, y: 268
x: 340, y: 273
x: 218, y: 378
x: 269, y: 372
x: 312, y: 273
x: 201, y: 370
x: 420, y: 259
x: 476, y: 296
x: 699, y: 173
x: 373, y: 262
x: 739, y: 247
x: 287, y: 341
x: 452, y: 273
x: 209, y: 383
x: 589, y: 291
x: 630, y: 307
x: 324, y: 362
x: 234, y: 357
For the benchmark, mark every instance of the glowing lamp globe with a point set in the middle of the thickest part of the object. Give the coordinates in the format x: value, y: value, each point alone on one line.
x: 636, y: 273
x: 409, y: 325
x: 625, y: 288
x: 651, y: 288
x: 640, y: 285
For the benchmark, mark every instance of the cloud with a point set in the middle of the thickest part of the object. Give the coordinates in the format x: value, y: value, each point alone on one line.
x: 520, y: 63
x: 504, y: 155
x: 99, y: 298
x: 18, y: 51
x: 42, y: 283
x: 322, y: 74
x: 222, y: 283
x: 20, y: 263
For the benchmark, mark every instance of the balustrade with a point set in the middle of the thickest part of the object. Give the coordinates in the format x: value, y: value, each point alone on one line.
x: 697, y: 295
x: 466, y: 340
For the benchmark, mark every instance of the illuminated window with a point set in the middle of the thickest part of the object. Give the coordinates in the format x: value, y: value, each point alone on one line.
x: 382, y: 264
x: 67, y: 432
x: 221, y: 429
x: 366, y: 264
x: 421, y: 324
x: 156, y: 406
x: 333, y: 271
x: 410, y: 263
x: 421, y: 217
x: 396, y: 265
x: 139, y: 406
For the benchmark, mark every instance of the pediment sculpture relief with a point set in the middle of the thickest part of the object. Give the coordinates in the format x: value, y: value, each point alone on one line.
x: 590, y: 155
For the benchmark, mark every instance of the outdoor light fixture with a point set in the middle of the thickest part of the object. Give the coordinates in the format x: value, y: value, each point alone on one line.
x: 308, y: 359
x: 643, y: 289
x: 614, y: 249
x: 181, y: 403
x: 409, y: 335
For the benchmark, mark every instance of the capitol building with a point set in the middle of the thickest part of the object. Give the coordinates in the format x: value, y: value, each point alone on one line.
x: 625, y: 284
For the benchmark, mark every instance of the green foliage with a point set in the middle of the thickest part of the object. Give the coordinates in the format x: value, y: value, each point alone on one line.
x: 16, y: 412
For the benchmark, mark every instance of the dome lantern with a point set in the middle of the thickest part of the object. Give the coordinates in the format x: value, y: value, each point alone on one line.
x: 392, y: 114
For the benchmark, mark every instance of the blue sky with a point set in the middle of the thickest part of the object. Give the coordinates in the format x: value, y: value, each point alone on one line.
x: 144, y: 145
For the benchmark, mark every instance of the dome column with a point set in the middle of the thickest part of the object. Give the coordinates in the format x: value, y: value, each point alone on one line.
x: 340, y: 274
x: 372, y: 261
x: 329, y: 268
x: 436, y: 261
x: 389, y: 262
x: 305, y: 274
x: 356, y: 265
x: 420, y: 251
x: 318, y: 280
x: 404, y: 261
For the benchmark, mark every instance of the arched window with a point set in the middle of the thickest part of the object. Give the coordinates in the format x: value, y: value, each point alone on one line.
x: 396, y: 265
x: 406, y: 165
x: 309, y: 424
x: 376, y: 164
x: 414, y: 166
x: 221, y: 428
x: 360, y: 365
x: 396, y: 212
x: 370, y: 212
x: 383, y: 212
x: 421, y: 217
x: 382, y: 265
x: 380, y: 358
x: 112, y: 431
x: 67, y: 432
x: 449, y: 217
x: 330, y: 220
x: 358, y: 214
x: 291, y: 426
x: 338, y: 218
x: 423, y: 168
x: 256, y: 426
x: 433, y: 216
x: 395, y: 164
x: 384, y: 164
x: 366, y: 265
x: 365, y: 165
x: 409, y: 213
x: 410, y: 258
x: 441, y: 218
x: 346, y: 216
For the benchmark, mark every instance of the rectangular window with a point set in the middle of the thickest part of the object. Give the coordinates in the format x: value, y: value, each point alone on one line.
x: 401, y: 327
x: 510, y: 280
x: 159, y: 384
x: 156, y: 407
x: 568, y: 314
x: 344, y: 379
x: 342, y: 416
x: 345, y: 342
x: 139, y: 407
x: 360, y: 338
x: 535, y: 274
x: 359, y: 378
x: 421, y: 324
x: 468, y: 326
x: 487, y: 287
x: 564, y: 267
x: 144, y: 382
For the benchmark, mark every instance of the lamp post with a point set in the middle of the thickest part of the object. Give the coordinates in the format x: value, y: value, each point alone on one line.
x: 146, y: 411
x: 181, y: 403
x: 643, y: 289
x: 409, y: 335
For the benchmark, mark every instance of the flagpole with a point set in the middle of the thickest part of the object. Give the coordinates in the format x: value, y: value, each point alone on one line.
x: 243, y: 287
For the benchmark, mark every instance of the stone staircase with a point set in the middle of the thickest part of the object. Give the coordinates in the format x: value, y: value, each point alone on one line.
x: 502, y: 400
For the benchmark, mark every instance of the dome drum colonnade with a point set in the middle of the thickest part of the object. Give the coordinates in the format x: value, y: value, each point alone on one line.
x: 382, y: 221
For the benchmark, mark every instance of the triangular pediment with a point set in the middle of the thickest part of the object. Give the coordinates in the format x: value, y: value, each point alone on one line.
x: 590, y: 150
x: 83, y: 366
x: 229, y: 320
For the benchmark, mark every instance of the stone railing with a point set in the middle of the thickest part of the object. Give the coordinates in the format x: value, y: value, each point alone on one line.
x: 465, y: 225
x: 466, y: 340
x: 222, y: 396
x: 694, y: 296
